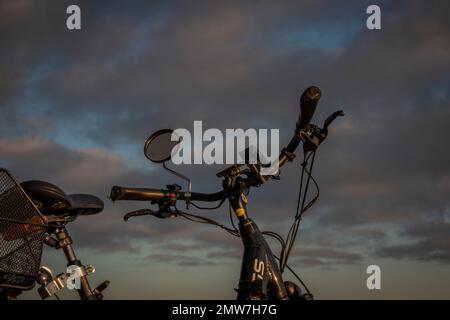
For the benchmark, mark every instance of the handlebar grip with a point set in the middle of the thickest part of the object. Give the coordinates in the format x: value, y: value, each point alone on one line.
x: 308, y: 103
x: 136, y: 194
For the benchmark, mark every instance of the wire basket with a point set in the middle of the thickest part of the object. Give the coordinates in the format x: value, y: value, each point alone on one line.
x: 22, y: 234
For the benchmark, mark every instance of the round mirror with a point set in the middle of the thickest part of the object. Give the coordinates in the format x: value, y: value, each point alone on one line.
x: 159, y: 146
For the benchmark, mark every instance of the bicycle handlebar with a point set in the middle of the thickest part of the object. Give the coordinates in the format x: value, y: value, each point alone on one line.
x: 149, y: 194
x: 308, y: 103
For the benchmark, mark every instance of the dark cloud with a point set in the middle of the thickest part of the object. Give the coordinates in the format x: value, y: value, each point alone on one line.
x: 426, y: 242
x: 325, y: 257
x: 179, y: 259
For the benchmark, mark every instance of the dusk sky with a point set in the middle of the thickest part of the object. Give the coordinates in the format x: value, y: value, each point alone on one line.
x: 77, y: 106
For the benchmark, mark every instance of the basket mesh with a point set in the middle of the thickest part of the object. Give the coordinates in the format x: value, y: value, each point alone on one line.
x: 22, y: 235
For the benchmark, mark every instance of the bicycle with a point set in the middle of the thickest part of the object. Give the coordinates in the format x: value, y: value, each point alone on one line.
x: 261, y: 274
x: 34, y: 213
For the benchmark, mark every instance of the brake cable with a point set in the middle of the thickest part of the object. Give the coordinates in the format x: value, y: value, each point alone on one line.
x: 292, y: 234
x: 295, y: 275
x: 200, y: 219
x: 283, y: 246
x: 209, y: 208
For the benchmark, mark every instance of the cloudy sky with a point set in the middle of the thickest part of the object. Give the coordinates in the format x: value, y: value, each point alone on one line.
x: 77, y: 107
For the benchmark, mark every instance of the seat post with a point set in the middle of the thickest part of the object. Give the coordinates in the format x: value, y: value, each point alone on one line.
x: 65, y: 243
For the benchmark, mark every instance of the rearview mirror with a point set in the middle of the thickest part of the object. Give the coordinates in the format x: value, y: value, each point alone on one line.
x: 159, y: 147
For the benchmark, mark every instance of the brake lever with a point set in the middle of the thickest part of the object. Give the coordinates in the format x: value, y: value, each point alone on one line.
x: 331, y: 118
x: 149, y: 212
x: 314, y: 136
x: 141, y: 212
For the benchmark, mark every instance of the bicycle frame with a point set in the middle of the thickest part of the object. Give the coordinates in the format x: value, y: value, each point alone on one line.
x: 260, y: 275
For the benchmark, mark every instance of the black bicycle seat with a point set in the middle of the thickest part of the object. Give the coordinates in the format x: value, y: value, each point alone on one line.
x: 51, y: 200
x: 85, y: 204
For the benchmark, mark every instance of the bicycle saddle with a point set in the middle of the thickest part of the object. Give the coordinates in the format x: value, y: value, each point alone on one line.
x: 51, y: 200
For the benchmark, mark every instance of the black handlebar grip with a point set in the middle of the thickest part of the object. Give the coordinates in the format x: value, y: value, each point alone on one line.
x: 308, y: 103
x: 136, y: 194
